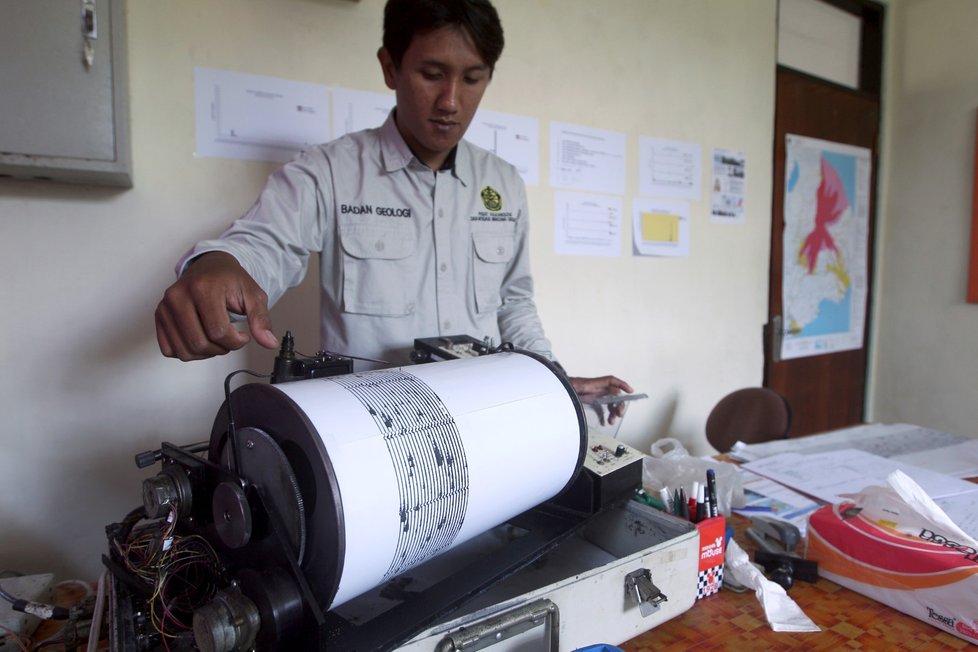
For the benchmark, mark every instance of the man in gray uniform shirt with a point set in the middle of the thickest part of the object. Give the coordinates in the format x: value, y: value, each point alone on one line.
x: 419, y: 232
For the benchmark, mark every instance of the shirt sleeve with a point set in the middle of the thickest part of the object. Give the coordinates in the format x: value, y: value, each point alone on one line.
x: 517, y: 317
x: 274, y: 239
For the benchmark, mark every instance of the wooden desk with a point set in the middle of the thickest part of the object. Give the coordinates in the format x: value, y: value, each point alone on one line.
x: 849, y: 621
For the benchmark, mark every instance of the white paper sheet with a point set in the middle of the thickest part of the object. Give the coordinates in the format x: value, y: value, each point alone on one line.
x: 885, y: 440
x: 963, y: 510
x: 958, y: 460
x: 587, y: 225
x: 827, y: 475
x: 513, y: 138
x: 587, y: 159
x: 428, y: 456
x: 355, y: 110
x: 254, y: 117
x: 729, y: 186
x: 669, y: 168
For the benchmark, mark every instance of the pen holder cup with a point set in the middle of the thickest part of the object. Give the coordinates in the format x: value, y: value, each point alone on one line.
x: 712, y: 539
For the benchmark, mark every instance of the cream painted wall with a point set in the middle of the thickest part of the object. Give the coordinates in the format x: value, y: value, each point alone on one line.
x: 925, y: 367
x: 84, y: 386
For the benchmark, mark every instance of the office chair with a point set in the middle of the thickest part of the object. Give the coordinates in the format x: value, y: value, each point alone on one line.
x: 750, y: 415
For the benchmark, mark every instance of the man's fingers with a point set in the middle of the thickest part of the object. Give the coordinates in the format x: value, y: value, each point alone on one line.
x: 185, y: 333
x: 168, y: 335
x: 166, y: 348
x: 260, y: 323
x: 215, y: 329
x: 174, y: 344
x: 192, y: 320
x: 600, y: 385
x: 623, y: 386
x: 212, y: 301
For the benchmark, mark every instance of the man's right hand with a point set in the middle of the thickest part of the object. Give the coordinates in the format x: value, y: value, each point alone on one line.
x: 192, y: 321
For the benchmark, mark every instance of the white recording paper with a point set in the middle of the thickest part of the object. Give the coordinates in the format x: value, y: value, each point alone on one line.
x: 429, y: 456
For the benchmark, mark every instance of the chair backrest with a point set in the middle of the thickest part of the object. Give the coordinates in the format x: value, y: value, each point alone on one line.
x: 750, y: 415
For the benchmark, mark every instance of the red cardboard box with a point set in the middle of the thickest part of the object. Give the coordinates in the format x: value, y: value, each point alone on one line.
x: 925, y: 574
x: 712, y: 535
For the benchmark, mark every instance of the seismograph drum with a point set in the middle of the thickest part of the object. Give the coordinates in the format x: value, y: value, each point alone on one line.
x: 393, y: 467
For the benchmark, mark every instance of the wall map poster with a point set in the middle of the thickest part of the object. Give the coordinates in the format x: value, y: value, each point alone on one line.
x: 825, y: 268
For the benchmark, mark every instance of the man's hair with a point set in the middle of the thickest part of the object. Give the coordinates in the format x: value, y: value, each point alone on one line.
x: 403, y: 19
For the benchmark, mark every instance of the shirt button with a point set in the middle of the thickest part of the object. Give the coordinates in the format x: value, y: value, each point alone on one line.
x: 500, y: 250
x: 380, y: 245
x: 441, y: 212
x: 444, y: 267
x: 447, y: 324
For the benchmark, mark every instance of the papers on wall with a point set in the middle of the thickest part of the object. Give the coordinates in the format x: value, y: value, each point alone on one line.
x: 660, y: 227
x: 729, y: 185
x: 669, y: 168
x: 827, y: 475
x: 587, y: 159
x: 259, y: 118
x: 513, y: 138
x: 356, y: 110
x: 587, y: 225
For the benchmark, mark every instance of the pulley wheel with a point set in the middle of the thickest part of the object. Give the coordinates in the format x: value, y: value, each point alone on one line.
x: 263, y: 464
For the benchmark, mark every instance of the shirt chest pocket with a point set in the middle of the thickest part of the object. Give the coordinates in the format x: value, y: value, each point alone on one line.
x: 378, y: 266
x: 492, y: 252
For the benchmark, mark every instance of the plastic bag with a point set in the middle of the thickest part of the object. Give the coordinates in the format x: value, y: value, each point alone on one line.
x: 905, y: 507
x: 671, y: 466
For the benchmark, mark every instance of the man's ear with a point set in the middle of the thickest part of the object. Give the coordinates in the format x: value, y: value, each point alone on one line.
x: 387, y: 67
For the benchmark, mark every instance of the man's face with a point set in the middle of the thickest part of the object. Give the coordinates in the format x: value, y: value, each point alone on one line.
x: 438, y: 85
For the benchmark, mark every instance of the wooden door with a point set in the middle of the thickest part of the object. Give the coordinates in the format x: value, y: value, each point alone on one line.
x: 825, y: 391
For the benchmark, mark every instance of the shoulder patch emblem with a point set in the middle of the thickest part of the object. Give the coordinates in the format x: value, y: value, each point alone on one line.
x: 491, y: 199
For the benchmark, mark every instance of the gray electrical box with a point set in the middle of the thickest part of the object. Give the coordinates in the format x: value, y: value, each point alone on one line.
x: 64, y: 105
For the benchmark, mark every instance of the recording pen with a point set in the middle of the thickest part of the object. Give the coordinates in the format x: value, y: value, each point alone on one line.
x: 711, y: 492
x: 664, y: 497
x: 647, y: 499
x: 701, y: 507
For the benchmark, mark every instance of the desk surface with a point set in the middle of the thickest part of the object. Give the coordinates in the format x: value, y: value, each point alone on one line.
x: 735, y: 621
x: 849, y: 620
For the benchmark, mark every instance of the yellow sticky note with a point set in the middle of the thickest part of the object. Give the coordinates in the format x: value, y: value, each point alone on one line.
x: 660, y: 227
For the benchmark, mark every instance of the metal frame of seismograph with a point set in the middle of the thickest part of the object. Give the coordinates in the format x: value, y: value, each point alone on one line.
x: 266, y: 470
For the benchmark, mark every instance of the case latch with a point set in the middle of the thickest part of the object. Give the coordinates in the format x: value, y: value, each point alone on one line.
x: 639, y: 585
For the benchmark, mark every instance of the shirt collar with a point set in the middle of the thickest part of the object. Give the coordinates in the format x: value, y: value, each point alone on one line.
x: 397, y: 155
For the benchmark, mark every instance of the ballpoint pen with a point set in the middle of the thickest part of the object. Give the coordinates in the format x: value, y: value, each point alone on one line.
x: 711, y: 492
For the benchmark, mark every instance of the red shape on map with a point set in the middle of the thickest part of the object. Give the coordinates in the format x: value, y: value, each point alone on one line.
x: 830, y: 203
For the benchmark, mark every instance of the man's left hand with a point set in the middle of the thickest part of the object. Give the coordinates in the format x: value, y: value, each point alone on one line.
x: 602, y: 386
